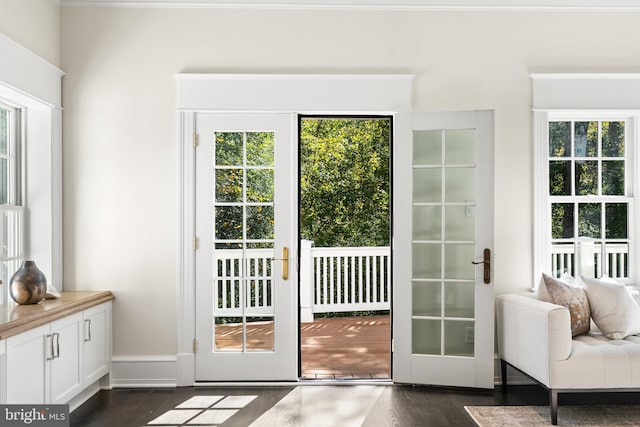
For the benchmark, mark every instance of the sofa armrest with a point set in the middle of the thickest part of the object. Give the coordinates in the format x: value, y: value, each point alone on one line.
x: 531, y: 333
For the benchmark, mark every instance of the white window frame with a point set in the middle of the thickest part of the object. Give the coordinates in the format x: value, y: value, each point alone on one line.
x: 577, y: 97
x: 33, y: 85
x: 13, y: 210
x: 543, y: 233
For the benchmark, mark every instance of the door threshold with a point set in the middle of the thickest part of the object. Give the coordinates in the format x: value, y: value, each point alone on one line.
x: 294, y: 383
x: 358, y: 381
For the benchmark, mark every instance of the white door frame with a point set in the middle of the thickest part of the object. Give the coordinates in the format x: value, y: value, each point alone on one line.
x: 270, y: 93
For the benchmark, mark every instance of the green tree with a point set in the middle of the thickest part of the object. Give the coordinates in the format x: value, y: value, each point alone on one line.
x: 344, y: 181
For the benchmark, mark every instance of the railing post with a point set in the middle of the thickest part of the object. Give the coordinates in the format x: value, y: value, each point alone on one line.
x: 306, y: 282
x: 586, y: 261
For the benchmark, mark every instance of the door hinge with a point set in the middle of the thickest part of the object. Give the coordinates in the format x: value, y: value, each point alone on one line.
x: 195, y: 140
x: 393, y: 346
x: 195, y: 243
x: 195, y: 345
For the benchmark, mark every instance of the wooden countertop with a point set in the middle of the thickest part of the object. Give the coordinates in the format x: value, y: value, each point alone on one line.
x: 15, y: 319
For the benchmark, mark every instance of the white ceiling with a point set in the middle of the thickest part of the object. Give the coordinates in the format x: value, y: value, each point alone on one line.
x: 375, y: 4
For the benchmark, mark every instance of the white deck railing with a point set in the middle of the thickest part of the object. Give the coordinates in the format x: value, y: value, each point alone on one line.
x: 344, y: 279
x: 331, y: 280
x: 615, y: 263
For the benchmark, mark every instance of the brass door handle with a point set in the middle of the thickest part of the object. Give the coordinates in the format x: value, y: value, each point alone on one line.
x: 487, y: 265
x: 285, y: 262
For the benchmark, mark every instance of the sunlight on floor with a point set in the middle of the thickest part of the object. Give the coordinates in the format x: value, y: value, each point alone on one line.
x: 203, y: 410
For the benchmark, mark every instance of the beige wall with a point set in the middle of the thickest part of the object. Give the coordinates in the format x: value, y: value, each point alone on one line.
x: 35, y: 24
x: 120, y: 166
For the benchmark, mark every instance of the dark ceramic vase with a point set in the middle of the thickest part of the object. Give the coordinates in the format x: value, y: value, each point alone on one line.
x: 28, y: 285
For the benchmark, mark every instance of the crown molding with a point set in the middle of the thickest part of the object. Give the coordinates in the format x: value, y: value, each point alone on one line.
x: 596, y: 5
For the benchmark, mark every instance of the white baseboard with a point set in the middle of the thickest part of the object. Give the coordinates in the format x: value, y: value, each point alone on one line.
x: 163, y: 371
x: 85, y: 395
x: 144, y: 371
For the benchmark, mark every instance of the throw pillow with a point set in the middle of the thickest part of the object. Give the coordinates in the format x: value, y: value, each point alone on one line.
x: 614, y: 310
x: 573, y: 297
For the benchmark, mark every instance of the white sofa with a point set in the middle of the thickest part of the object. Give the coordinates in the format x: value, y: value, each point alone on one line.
x: 535, y: 337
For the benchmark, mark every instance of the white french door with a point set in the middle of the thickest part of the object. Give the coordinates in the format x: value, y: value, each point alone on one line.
x: 443, y: 240
x: 246, y: 275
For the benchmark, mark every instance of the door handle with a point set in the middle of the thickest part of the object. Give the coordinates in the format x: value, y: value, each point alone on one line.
x: 285, y: 262
x: 87, y: 323
x: 49, y: 341
x: 486, y: 260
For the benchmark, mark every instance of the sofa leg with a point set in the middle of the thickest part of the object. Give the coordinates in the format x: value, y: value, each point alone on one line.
x: 503, y: 373
x: 553, y: 405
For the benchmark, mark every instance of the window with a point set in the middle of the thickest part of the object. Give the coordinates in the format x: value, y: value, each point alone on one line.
x: 587, y: 188
x: 11, y: 209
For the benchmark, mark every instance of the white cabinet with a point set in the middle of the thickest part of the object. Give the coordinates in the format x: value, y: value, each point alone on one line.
x: 66, y: 360
x: 26, y: 361
x: 97, y: 350
x: 53, y: 363
x: 43, y: 364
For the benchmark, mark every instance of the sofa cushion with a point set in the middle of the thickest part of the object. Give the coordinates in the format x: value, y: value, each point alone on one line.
x: 598, y: 362
x: 573, y: 297
x: 613, y: 308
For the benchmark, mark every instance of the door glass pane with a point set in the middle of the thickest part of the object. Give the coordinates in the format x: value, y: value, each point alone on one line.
x: 459, y: 299
x: 443, y: 289
x: 228, y: 222
x: 259, y: 222
x: 260, y: 148
x: 260, y: 332
x: 460, y: 185
x: 228, y: 185
x: 228, y: 334
x: 427, y: 297
x: 260, y: 185
x: 459, y: 338
x: 457, y: 261
x: 460, y: 147
x: 427, y: 222
x: 460, y: 223
x: 244, y: 241
x: 427, y: 261
x: 427, y: 147
x: 427, y: 184
x: 425, y: 336
x: 228, y: 149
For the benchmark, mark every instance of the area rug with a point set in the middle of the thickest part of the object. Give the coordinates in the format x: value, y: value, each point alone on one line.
x: 574, y: 416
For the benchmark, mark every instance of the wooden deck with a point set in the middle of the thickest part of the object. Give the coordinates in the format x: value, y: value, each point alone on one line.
x: 338, y: 348
x: 347, y: 348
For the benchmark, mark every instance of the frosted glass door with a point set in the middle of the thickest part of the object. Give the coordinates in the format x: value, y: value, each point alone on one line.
x: 443, y: 278
x: 444, y: 310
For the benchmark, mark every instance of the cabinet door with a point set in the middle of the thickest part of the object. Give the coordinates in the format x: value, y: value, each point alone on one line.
x: 27, y: 366
x: 97, y: 321
x: 66, y: 364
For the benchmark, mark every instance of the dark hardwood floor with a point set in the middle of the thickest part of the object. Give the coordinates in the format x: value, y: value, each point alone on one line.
x: 395, y: 405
